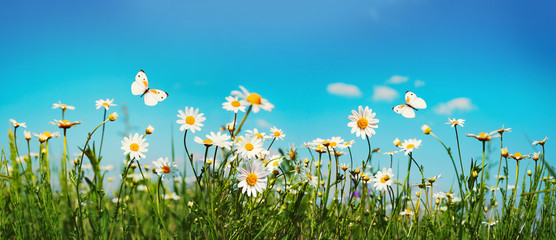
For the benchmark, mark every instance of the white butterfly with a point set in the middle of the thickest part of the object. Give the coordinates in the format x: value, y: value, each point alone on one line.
x: 141, y: 87
x: 412, y: 102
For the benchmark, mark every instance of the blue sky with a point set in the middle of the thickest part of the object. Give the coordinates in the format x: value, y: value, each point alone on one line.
x: 500, y: 55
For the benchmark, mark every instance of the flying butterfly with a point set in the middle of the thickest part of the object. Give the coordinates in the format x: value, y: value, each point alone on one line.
x: 412, y: 102
x: 141, y: 87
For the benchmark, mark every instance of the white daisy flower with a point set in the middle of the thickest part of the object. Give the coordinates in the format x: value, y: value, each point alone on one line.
x: 349, y: 144
x: 217, y: 139
x: 27, y: 135
x: 397, y: 142
x: 256, y: 133
x: 490, y: 223
x: 135, y: 146
x: 104, y: 103
x: 149, y: 130
x: 62, y: 106
x: 455, y: 122
x: 253, y: 178
x: 501, y: 130
x: 65, y: 123
x: 250, y: 147
x: 407, y: 212
x: 166, y: 168
x: 277, y: 133
x: 107, y: 167
x: 519, y: 156
x: 363, y: 122
x: 383, y: 179
x: 483, y: 136
x: 46, y: 135
x: 191, y: 119
x: 335, y: 142
x: 273, y: 163
x: 172, y: 196
x: 233, y: 104
x: 313, y: 180
x: 16, y: 124
x: 253, y: 99
x: 409, y: 145
x: 391, y: 153
x: 540, y: 142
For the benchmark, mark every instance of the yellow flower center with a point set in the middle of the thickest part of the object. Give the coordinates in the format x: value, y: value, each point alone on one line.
x: 235, y: 103
x: 190, y: 120
x: 134, y: 147
x: 251, y: 179
x: 455, y: 122
x: 275, y: 163
x: 362, y: 123
x: 483, y: 135
x: 249, y: 146
x: 63, y: 106
x: 166, y: 169
x: 105, y: 104
x: 254, y: 98
x: 259, y: 135
x: 277, y: 134
x: 384, y: 178
x: 333, y: 144
x: 309, y: 176
x: 292, y: 154
x: 47, y: 134
x: 410, y: 146
x: 207, y: 142
x: 517, y: 155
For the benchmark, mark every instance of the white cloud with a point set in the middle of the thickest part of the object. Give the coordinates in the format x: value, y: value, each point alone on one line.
x: 384, y: 93
x: 419, y: 83
x: 262, y: 123
x: 343, y: 89
x: 461, y: 104
x: 397, y: 79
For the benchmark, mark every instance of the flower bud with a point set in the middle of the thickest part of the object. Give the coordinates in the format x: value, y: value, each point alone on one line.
x: 112, y: 117
x: 149, y: 130
x: 529, y: 173
x: 426, y: 129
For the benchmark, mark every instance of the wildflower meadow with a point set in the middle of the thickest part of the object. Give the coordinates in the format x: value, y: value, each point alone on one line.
x: 241, y: 187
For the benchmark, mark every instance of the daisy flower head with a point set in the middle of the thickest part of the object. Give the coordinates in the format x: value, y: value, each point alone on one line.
x: 135, y: 146
x: 149, y: 130
x: 233, y: 104
x: 257, y: 134
x: 274, y: 162
x: 27, y: 135
x: 334, y: 142
x: 483, y: 136
x: 253, y: 99
x: 191, y: 119
x: 65, y: 124
x: 46, y: 136
x: 455, y: 122
x: 397, y: 142
x: 165, y: 168
x: 363, y: 122
x: 62, y: 106
x: 407, y: 212
x: 540, y: 142
x: 252, y: 178
x: 16, y: 124
x: 409, y: 145
x: 217, y: 139
x: 518, y: 156
x: 277, y: 133
x: 501, y: 130
x: 426, y: 129
x: 504, y: 152
x: 383, y: 179
x: 391, y: 153
x: 349, y: 144
x: 113, y: 116
x: 313, y: 180
x: 104, y: 103
x: 172, y: 196
x: 250, y: 147
x: 536, y: 155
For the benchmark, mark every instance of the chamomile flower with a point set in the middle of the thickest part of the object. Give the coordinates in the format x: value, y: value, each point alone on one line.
x: 407, y: 212
x: 172, y: 196
x: 46, y: 136
x: 482, y: 136
x: 409, y: 145
x: 65, y: 124
x: 252, y: 178
x: 504, y: 152
x: 256, y: 133
x: 135, y: 146
x: 62, y: 106
x: 536, y: 155
x: 149, y: 130
x: 391, y: 153
x: 217, y: 139
x: 16, y: 124
x: 274, y: 162
x: 383, y: 179
x: 501, y: 130
x: 455, y: 122
x: 27, y: 135
x: 233, y: 104
x: 518, y: 156
x: 277, y: 133
x: 311, y: 179
x: 397, y: 142
x: 363, y: 122
x: 104, y: 103
x: 540, y: 142
x: 253, y: 99
x: 335, y: 142
x: 250, y: 147
x: 166, y: 168
x: 426, y: 129
x: 191, y: 119
x: 490, y: 223
x: 349, y: 144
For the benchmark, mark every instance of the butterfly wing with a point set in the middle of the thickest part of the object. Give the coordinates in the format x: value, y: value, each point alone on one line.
x: 153, y: 96
x: 412, y: 100
x: 141, y: 83
x: 404, y: 110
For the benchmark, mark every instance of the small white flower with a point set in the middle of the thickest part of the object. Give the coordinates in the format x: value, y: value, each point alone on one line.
x: 135, y: 146
x: 250, y: 147
x: 253, y: 99
x: 165, y: 168
x: 383, y: 179
x: 172, y: 196
x: 104, y: 103
x: 455, y: 122
x: 411, y: 144
x: 363, y: 122
x: 256, y: 133
x: 277, y: 133
x: 233, y: 104
x: 62, y: 106
x: 191, y: 119
x: 253, y: 178
x: 16, y: 124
